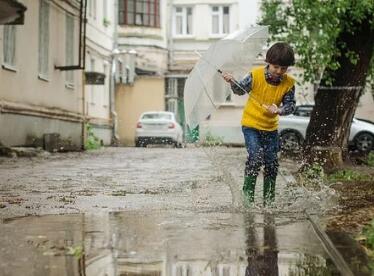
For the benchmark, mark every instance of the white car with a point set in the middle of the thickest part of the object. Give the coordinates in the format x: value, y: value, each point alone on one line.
x: 292, y: 130
x: 158, y: 127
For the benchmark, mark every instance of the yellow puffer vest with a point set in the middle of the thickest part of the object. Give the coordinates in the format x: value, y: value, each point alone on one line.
x: 256, y: 116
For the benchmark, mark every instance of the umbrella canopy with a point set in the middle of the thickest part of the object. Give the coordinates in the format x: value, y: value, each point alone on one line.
x: 205, y: 88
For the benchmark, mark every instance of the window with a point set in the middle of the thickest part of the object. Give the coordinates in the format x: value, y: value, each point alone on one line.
x: 94, y: 3
x: 182, y: 269
x: 69, y: 47
x: 105, y: 9
x: 43, y: 38
x: 105, y: 95
x: 91, y: 8
x: 172, y: 106
x: 183, y: 20
x: 172, y: 90
x: 220, y: 20
x: 175, y: 87
x: 9, y: 46
x: 92, y: 65
x: 92, y: 69
x: 139, y: 12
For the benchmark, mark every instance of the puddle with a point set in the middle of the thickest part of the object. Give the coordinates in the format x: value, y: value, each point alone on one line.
x: 352, y: 252
x: 161, y: 243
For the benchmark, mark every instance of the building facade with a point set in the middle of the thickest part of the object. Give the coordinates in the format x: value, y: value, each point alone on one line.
x: 194, y: 26
x: 41, y: 105
x: 142, y: 62
x: 98, y: 92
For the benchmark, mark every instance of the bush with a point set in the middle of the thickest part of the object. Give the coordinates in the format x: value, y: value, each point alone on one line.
x: 92, y: 142
x: 371, y: 159
x: 368, y: 233
x: 211, y: 140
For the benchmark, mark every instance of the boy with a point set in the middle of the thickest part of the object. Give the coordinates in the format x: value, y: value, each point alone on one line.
x: 271, y: 93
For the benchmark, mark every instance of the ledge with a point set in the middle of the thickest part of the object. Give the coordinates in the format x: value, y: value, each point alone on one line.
x: 9, y: 67
x: 39, y: 111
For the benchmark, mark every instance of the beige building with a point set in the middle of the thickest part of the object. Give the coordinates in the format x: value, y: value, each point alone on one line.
x: 99, y: 94
x: 147, y: 94
x: 38, y: 102
x: 142, y: 62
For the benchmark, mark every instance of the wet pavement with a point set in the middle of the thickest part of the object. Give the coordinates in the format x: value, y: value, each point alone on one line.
x: 154, y: 211
x: 161, y: 243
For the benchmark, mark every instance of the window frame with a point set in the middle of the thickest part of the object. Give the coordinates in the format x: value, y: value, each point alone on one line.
x: 220, y: 14
x: 43, y: 47
x: 150, y: 10
x: 172, y: 105
x: 184, y: 15
x: 69, y: 48
x: 92, y: 90
x: 9, y: 47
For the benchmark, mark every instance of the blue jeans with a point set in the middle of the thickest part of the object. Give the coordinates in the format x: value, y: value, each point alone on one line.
x: 262, y: 147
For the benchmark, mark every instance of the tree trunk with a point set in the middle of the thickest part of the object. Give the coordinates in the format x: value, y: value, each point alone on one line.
x: 336, y: 104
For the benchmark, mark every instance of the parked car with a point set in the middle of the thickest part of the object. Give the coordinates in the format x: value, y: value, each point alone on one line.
x: 158, y: 127
x: 292, y: 129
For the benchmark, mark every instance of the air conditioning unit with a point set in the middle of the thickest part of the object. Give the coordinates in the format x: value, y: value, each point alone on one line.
x: 129, y: 72
x: 119, y: 71
x: 125, y: 67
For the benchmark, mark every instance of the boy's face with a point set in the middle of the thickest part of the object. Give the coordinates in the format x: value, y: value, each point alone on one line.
x: 277, y: 70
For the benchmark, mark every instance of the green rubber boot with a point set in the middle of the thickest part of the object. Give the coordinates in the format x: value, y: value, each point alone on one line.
x: 249, y: 189
x: 269, y: 190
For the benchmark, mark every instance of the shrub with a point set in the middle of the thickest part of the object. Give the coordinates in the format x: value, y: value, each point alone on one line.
x: 371, y: 159
x: 92, y: 142
x: 211, y: 140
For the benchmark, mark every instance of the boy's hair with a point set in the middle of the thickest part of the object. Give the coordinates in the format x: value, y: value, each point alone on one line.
x: 281, y: 54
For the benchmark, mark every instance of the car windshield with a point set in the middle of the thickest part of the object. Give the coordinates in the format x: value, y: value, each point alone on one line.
x: 164, y: 116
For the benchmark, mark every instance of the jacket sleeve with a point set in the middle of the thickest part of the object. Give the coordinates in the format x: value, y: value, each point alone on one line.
x: 288, y: 102
x: 245, y: 85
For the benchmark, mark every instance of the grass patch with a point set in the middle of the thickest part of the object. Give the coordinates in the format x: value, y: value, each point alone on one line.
x: 371, y: 159
x: 348, y: 175
x: 119, y: 193
x: 76, y: 251
x: 211, y: 140
x: 368, y: 242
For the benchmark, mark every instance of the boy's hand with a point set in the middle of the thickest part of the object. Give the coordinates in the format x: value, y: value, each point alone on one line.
x: 228, y: 77
x: 273, y: 109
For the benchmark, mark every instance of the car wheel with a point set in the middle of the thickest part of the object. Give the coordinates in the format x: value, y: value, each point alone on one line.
x: 290, y: 141
x: 364, y: 141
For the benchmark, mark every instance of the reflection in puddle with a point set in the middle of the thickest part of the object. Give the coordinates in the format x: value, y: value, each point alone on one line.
x: 161, y: 243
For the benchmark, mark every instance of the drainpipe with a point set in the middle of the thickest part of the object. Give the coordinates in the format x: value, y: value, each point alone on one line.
x: 113, y: 113
x: 82, y: 55
x: 169, y: 34
x: 84, y: 131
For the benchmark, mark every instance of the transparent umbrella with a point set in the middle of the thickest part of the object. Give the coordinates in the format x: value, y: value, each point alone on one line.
x: 205, y: 88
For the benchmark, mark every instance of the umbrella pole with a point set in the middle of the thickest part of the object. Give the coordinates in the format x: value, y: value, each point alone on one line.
x: 235, y: 81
